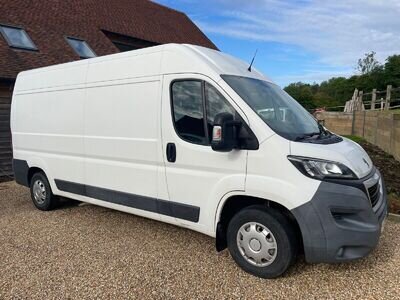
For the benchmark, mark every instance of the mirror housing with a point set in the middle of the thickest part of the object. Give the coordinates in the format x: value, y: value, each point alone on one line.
x: 224, y: 133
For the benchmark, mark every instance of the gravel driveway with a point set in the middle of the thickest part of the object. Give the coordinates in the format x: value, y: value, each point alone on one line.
x: 90, y: 252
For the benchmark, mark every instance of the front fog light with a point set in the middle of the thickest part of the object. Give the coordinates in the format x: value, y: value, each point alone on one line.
x: 320, y: 169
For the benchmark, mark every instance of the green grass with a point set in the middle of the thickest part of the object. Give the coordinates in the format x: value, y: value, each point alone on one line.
x: 355, y: 138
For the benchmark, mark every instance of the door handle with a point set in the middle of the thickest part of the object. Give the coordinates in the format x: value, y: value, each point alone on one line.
x: 171, y: 152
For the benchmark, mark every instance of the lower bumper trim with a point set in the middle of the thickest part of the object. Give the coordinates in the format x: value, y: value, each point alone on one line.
x: 339, y: 224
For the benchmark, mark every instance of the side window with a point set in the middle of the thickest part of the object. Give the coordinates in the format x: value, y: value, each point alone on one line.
x: 215, y: 104
x: 188, y: 110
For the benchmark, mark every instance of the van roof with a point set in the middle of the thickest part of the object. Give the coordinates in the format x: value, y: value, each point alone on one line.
x: 175, y: 58
x: 224, y: 63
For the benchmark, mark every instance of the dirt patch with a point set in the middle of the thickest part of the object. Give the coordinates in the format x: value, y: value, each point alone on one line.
x: 390, y: 169
x: 5, y: 179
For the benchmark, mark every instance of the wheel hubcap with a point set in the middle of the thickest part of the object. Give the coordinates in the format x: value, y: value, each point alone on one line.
x: 257, y: 244
x: 39, y: 192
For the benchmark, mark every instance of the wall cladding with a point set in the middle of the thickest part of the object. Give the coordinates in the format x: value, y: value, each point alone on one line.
x: 5, y: 132
x: 340, y: 123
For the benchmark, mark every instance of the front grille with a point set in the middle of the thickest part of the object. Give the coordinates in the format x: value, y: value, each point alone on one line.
x: 373, y: 192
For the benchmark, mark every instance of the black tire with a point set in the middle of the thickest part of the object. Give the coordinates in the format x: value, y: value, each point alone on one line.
x: 283, y: 232
x: 48, y: 201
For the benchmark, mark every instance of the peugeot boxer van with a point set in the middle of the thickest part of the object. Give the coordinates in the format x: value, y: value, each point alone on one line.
x: 194, y: 137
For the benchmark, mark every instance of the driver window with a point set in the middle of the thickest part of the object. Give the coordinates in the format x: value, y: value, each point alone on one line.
x: 187, y: 99
x: 215, y: 104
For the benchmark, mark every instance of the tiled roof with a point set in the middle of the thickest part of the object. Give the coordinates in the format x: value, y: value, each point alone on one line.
x: 48, y: 22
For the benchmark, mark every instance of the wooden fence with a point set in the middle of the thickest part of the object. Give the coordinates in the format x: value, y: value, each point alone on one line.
x: 381, y: 100
x: 374, y: 100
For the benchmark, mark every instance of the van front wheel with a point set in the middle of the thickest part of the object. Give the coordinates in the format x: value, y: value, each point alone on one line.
x: 262, y: 241
x: 41, y: 193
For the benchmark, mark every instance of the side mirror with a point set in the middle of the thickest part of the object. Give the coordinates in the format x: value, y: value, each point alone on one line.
x: 224, y: 133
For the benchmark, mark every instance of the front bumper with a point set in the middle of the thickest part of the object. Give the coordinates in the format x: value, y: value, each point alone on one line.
x: 342, y: 222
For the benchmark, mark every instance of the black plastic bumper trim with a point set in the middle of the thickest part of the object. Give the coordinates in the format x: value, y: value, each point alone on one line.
x: 339, y: 223
x: 168, y: 208
x: 21, y: 170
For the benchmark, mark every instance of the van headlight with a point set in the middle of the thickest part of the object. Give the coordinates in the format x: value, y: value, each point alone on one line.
x: 320, y: 169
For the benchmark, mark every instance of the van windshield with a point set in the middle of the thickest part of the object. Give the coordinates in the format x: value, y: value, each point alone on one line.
x: 276, y: 108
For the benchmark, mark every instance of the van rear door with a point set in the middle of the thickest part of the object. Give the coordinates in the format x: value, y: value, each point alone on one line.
x: 197, y: 176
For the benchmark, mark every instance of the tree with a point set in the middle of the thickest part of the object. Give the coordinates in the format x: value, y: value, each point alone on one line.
x: 337, y: 90
x: 368, y: 64
x: 302, y: 93
x: 392, y: 71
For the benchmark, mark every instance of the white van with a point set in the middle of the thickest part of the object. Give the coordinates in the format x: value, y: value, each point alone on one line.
x: 190, y: 136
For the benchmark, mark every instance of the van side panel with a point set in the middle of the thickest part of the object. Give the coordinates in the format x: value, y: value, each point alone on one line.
x: 132, y: 64
x: 65, y: 76
x: 122, y: 128
x: 122, y: 137
x: 48, y: 129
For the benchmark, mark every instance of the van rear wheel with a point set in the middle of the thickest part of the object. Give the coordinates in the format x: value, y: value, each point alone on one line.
x: 262, y: 241
x: 41, y: 193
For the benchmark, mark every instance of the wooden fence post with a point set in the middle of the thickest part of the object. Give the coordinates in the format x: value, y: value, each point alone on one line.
x: 392, y: 133
x: 364, y: 115
x: 360, y: 100
x: 373, y: 99
x: 353, y: 120
x: 388, y: 94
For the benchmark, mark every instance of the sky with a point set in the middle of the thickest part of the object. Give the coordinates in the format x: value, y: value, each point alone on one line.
x: 299, y: 40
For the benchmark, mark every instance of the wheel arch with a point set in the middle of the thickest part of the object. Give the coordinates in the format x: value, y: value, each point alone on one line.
x: 24, y: 170
x: 234, y: 203
x: 32, y: 171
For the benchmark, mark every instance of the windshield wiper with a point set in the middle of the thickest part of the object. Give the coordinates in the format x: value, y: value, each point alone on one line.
x: 307, y: 135
x: 321, y: 133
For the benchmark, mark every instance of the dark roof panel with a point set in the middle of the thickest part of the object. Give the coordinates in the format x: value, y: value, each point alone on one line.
x: 48, y: 22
